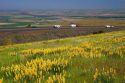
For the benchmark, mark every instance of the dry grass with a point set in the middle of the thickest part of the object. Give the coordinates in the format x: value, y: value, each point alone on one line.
x: 95, y: 22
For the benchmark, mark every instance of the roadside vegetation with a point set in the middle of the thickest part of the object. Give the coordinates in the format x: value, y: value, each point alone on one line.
x: 98, y: 58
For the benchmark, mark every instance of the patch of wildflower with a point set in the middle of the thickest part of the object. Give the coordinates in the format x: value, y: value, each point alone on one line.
x: 34, y: 70
x: 84, y: 52
x: 57, y: 78
x: 116, y: 40
x: 43, y: 51
x: 106, y: 75
x: 1, y: 80
x: 87, y: 44
x: 114, y: 51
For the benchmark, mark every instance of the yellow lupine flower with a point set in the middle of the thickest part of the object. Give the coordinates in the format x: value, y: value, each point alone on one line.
x: 1, y: 80
x: 35, y: 68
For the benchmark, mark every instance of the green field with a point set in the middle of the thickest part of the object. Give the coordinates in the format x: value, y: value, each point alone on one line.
x: 96, y: 58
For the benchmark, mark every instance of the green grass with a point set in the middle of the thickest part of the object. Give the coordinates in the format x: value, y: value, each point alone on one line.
x: 16, y: 24
x: 80, y: 69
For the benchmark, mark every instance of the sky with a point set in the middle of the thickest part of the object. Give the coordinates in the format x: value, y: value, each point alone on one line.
x: 62, y: 4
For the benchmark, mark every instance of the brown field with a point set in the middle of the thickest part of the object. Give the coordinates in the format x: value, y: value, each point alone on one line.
x: 95, y: 22
x: 84, y: 22
x: 22, y: 20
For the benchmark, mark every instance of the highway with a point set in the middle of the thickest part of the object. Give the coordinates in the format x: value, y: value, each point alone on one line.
x: 66, y: 27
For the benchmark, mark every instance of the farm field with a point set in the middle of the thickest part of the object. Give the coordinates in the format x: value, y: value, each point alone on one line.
x: 98, y: 58
x: 66, y: 21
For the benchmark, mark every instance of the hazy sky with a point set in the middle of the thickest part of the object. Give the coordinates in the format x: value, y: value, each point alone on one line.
x: 62, y: 4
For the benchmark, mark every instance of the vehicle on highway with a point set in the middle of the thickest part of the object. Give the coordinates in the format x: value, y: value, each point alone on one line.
x: 73, y: 25
x: 57, y: 26
x: 109, y: 26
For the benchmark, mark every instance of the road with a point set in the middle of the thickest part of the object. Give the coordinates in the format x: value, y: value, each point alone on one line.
x: 66, y: 27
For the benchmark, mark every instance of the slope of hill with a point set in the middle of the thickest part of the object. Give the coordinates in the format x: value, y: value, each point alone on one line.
x: 94, y: 58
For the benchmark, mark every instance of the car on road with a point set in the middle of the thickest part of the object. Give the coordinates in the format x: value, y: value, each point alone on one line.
x: 57, y: 26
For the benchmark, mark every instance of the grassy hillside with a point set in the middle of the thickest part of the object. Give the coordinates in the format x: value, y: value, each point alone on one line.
x: 85, y: 59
